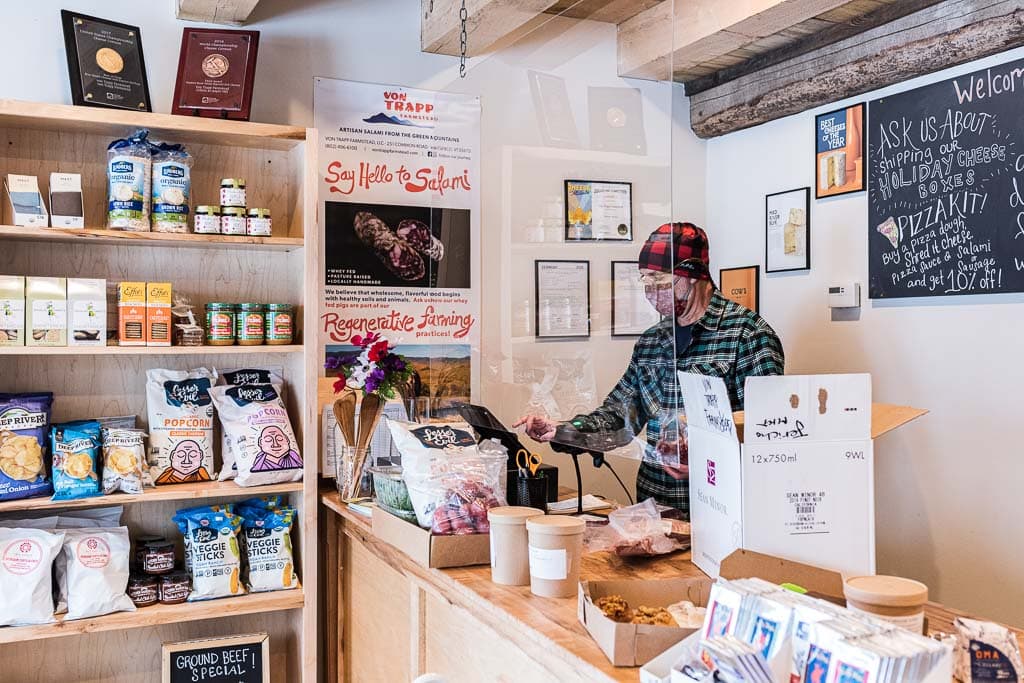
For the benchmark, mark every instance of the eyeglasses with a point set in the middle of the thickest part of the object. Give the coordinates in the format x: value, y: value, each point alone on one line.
x: 656, y: 279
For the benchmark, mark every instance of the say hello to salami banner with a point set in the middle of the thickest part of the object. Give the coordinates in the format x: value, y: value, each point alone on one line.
x: 399, y: 205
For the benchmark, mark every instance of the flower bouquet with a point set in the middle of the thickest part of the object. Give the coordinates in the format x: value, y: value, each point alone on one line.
x: 367, y: 378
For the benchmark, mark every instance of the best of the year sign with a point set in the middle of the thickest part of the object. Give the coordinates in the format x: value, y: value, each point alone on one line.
x: 236, y: 659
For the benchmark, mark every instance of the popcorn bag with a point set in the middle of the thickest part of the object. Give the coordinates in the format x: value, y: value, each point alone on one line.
x: 180, y: 425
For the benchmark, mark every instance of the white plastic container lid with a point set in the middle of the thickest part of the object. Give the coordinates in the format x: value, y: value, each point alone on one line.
x: 556, y: 525
x: 512, y: 514
x: 887, y: 591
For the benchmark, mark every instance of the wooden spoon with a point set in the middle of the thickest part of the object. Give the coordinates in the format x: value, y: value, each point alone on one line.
x: 345, y: 414
x: 370, y: 411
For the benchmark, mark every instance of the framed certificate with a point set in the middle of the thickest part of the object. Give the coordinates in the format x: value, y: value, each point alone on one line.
x: 216, y: 69
x: 632, y: 313
x: 788, y: 231
x: 598, y: 210
x: 562, y: 299
x: 105, y: 63
x: 742, y: 285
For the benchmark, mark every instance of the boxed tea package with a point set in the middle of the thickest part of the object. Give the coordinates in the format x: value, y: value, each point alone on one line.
x: 12, y: 310
x: 158, y: 314
x: 66, y: 207
x: 46, y: 310
x: 87, y: 312
x: 26, y: 202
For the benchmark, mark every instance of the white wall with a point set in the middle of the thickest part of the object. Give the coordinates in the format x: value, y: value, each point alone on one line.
x: 947, y: 485
x: 378, y: 41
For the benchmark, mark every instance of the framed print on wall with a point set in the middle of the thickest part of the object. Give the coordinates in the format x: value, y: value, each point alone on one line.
x: 632, y: 313
x: 788, y: 231
x: 105, y: 63
x: 839, y: 151
x: 742, y: 285
x: 562, y: 299
x: 598, y: 210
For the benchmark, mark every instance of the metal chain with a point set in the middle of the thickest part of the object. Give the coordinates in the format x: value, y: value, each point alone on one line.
x: 463, y: 40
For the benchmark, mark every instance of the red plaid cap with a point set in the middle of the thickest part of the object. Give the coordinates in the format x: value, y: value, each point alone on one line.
x: 679, y: 248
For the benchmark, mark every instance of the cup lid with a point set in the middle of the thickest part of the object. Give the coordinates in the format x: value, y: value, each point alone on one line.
x: 888, y: 591
x: 556, y: 525
x: 512, y: 514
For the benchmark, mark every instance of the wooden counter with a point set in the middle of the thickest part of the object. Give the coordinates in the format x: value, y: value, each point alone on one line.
x: 398, y: 620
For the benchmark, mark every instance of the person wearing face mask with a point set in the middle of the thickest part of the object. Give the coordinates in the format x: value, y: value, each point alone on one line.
x: 702, y: 332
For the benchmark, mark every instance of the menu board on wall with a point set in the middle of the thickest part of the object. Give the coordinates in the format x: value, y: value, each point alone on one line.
x: 946, y: 187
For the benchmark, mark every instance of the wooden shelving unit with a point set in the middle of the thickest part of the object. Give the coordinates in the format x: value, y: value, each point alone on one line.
x: 278, y: 163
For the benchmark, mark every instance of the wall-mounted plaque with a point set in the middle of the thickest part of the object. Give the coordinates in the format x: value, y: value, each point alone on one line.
x: 105, y: 62
x: 216, y: 69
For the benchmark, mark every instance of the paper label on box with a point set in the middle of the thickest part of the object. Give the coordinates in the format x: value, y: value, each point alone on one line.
x: 12, y: 314
x: 552, y: 565
x: 85, y: 315
x: 49, y: 315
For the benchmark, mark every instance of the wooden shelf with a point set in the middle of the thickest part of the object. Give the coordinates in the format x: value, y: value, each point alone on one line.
x: 118, y: 123
x: 148, y: 239
x: 147, y: 350
x: 154, y: 615
x: 185, y: 492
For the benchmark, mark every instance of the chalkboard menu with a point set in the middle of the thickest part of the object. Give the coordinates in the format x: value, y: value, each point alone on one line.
x: 236, y: 659
x: 946, y: 187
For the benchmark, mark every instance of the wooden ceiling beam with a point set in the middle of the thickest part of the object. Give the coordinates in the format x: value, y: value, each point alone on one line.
x: 672, y: 37
x: 945, y: 34
x: 231, y: 12
x: 488, y: 22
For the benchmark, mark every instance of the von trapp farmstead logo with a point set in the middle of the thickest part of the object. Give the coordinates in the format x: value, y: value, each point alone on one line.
x: 400, y: 109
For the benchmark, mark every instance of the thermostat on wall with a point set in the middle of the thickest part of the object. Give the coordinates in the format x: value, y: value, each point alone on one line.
x: 844, y: 296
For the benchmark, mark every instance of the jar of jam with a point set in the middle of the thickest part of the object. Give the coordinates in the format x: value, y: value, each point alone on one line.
x: 140, y: 548
x: 158, y: 558
x: 220, y: 324
x: 174, y: 587
x: 144, y: 590
x: 207, y: 220
x: 258, y: 224
x: 249, y: 324
x: 279, y: 326
x: 232, y: 192
x: 232, y: 220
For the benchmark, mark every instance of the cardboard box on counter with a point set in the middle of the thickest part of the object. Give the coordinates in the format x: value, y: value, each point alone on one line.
x: 436, y: 552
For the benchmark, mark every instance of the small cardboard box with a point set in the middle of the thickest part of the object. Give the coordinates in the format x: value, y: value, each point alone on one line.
x: 131, y: 314
x: 66, y: 208
x: 12, y: 310
x: 87, y: 312
x: 158, y: 314
x: 436, y: 552
x: 25, y: 203
x: 46, y: 311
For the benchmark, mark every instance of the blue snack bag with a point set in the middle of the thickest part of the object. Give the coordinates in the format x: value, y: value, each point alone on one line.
x: 24, y: 425
x: 76, y: 453
x: 216, y: 563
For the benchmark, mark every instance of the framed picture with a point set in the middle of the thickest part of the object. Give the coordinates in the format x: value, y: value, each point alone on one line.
x: 840, y: 147
x: 216, y: 70
x: 632, y: 313
x: 105, y: 63
x: 742, y: 285
x: 788, y: 231
x: 598, y: 210
x: 562, y: 299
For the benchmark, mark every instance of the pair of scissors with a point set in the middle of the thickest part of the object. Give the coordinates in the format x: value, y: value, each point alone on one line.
x: 528, y: 461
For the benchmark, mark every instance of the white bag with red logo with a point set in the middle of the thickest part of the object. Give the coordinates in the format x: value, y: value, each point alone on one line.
x: 97, y: 571
x: 26, y: 563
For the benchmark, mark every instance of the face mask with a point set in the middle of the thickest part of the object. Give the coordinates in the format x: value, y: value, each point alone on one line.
x: 662, y: 298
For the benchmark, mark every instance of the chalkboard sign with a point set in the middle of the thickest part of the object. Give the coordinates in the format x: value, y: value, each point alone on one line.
x: 946, y: 187
x: 236, y: 659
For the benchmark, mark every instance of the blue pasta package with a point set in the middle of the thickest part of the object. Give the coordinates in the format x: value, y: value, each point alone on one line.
x: 24, y: 424
x: 76, y: 452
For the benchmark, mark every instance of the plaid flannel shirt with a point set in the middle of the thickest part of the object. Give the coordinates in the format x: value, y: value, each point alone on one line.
x: 729, y: 341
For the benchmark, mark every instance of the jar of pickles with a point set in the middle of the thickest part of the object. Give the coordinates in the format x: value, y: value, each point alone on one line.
x: 279, y: 324
x: 220, y: 324
x: 250, y: 324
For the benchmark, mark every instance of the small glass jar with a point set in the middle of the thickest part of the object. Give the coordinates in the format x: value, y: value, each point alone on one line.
x: 220, y: 324
x: 279, y: 325
x: 158, y: 558
x: 232, y: 220
x: 207, y: 220
x: 174, y: 587
x: 352, y: 473
x: 140, y: 547
x: 232, y: 192
x: 258, y: 223
x: 144, y: 590
x: 250, y: 324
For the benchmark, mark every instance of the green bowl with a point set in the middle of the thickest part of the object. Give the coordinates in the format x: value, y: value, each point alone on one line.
x: 390, y: 488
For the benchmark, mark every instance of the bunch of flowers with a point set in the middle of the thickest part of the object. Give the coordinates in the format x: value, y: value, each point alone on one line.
x: 375, y: 368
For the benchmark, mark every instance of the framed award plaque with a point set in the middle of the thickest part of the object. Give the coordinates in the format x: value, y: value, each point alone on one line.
x: 216, y: 69
x: 105, y: 62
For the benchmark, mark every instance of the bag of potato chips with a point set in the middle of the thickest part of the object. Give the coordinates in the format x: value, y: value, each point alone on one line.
x: 124, y: 451
x: 24, y: 426
x: 76, y: 449
x: 215, y: 560
x: 268, y: 549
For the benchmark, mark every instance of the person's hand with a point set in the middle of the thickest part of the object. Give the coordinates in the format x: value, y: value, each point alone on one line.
x: 673, y: 450
x: 538, y: 427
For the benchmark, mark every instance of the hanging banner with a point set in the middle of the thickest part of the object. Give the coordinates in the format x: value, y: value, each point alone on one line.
x: 399, y: 209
